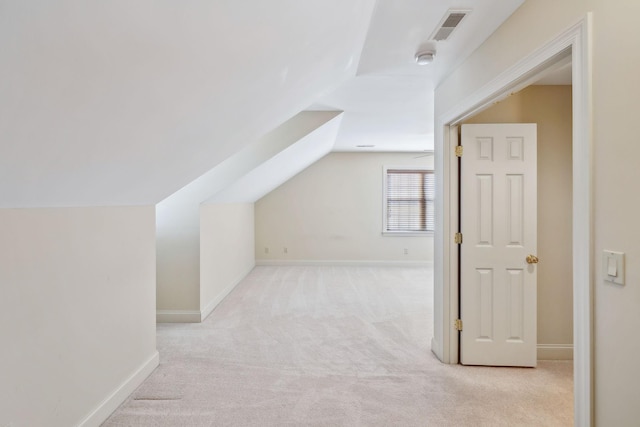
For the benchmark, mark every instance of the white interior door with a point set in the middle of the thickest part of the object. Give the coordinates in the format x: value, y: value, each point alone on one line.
x: 498, y: 224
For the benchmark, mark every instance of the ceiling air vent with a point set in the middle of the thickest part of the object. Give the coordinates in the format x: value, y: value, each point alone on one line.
x: 449, y: 23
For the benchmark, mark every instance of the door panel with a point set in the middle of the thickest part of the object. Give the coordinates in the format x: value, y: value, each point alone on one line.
x: 498, y: 222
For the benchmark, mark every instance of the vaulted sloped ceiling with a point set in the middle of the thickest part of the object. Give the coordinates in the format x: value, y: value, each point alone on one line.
x: 286, y: 163
x: 123, y: 103
x: 262, y: 166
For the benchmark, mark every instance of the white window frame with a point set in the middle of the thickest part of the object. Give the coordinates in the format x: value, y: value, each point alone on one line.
x: 385, y: 232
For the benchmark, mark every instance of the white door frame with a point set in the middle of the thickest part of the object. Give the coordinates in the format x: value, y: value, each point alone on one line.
x: 577, y: 41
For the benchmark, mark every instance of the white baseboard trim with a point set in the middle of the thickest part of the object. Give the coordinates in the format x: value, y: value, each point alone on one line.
x: 222, y: 295
x: 355, y: 263
x: 197, y: 316
x: 555, y: 351
x: 178, y: 316
x: 120, y: 394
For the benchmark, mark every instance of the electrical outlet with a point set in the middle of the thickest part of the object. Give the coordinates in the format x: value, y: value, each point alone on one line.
x: 406, y: 251
x: 286, y: 251
x: 266, y: 250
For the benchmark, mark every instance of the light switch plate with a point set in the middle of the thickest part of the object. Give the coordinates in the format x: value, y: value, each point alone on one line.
x: 613, y: 267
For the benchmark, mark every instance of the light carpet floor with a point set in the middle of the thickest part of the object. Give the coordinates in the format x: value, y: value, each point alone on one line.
x: 333, y: 346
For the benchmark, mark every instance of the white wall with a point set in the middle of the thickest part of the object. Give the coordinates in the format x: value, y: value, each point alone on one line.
x: 77, y: 312
x: 616, y: 63
x: 226, y: 250
x: 332, y: 211
x: 550, y: 108
x: 178, y: 259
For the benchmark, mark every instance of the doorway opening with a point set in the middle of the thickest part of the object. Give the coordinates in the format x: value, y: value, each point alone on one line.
x: 519, y: 216
x: 574, y: 44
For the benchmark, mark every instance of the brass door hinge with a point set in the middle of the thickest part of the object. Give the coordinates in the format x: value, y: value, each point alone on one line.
x: 458, y: 238
x: 458, y: 325
x: 459, y: 150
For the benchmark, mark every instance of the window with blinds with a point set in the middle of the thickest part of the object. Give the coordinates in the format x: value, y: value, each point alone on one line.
x: 409, y: 200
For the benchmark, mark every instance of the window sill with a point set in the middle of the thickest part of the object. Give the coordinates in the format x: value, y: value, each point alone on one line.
x: 407, y: 233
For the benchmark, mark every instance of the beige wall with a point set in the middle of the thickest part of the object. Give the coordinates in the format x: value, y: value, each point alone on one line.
x: 226, y: 250
x: 616, y: 152
x: 77, y: 311
x: 550, y: 108
x: 332, y: 211
x: 616, y: 63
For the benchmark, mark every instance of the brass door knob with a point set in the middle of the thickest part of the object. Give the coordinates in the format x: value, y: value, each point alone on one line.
x: 532, y: 259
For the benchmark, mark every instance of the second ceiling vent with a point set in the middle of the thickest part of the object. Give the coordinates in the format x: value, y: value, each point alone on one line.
x: 449, y: 23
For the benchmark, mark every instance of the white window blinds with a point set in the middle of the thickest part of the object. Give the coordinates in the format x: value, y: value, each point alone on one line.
x: 410, y: 205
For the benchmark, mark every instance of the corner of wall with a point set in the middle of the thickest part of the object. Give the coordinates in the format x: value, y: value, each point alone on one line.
x: 178, y: 316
